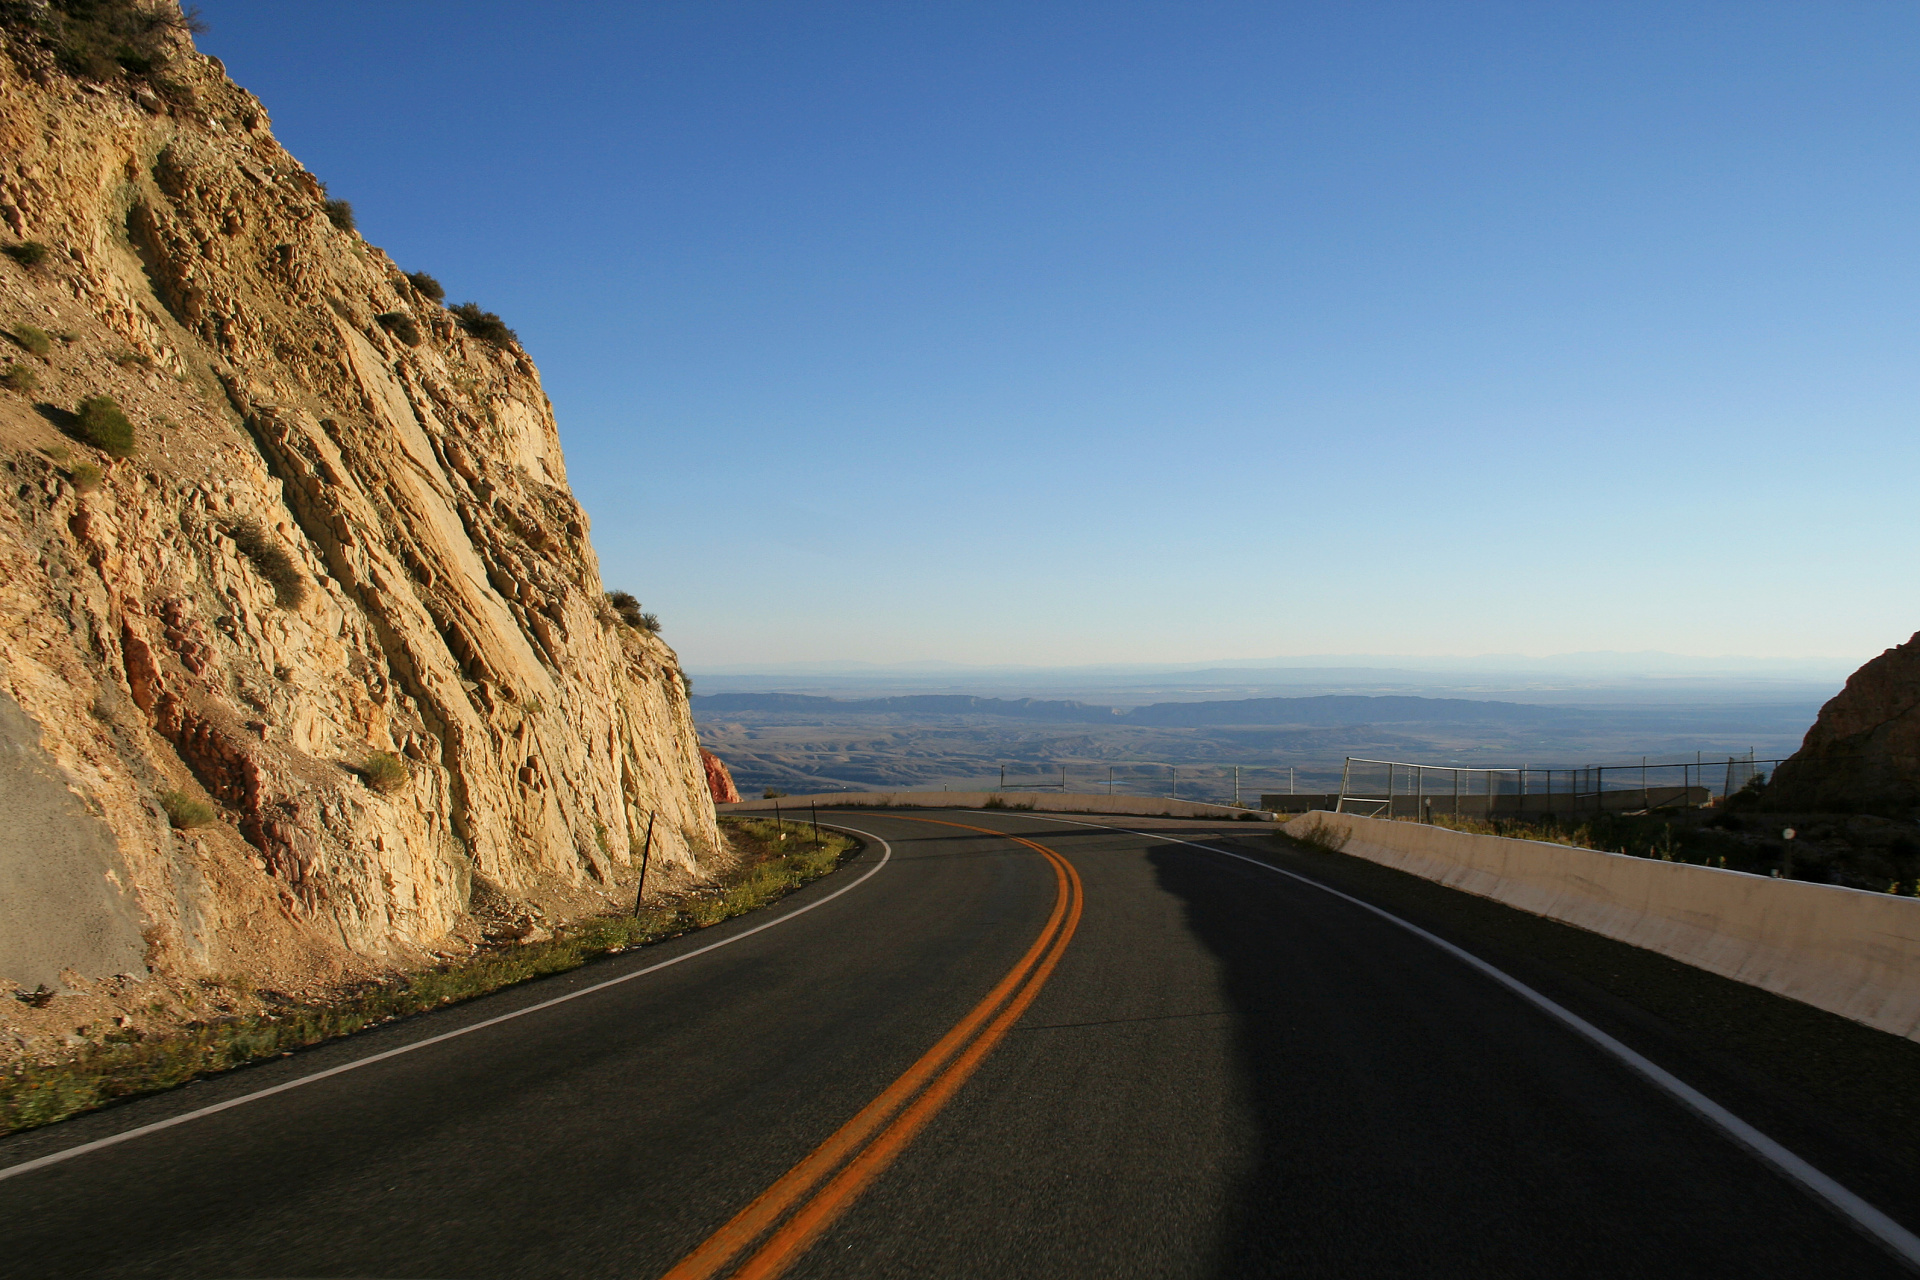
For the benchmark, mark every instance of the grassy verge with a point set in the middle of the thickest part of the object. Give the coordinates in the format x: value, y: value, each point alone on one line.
x: 776, y: 860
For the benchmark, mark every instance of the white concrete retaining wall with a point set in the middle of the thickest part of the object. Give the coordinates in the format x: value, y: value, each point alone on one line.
x: 1037, y: 801
x: 1853, y: 953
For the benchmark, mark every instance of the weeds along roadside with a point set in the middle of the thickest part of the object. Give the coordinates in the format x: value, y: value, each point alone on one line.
x: 776, y: 859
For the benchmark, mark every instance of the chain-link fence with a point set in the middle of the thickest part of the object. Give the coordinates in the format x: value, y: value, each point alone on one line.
x: 1243, y: 784
x: 1399, y: 788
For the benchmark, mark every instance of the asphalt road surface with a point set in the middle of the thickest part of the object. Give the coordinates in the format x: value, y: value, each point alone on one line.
x: 1132, y: 1058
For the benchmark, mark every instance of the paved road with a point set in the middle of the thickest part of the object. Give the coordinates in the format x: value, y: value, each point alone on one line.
x: 1228, y: 1073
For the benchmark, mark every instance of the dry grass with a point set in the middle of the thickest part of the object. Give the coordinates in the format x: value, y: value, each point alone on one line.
x: 36, y: 340
x: 184, y: 811
x: 775, y: 861
x: 386, y: 773
x: 274, y: 562
x: 1324, y: 836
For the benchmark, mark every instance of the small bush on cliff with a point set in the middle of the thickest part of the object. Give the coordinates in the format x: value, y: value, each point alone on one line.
x: 629, y: 610
x: 35, y: 339
x: 401, y: 326
x: 85, y: 477
x: 427, y: 286
x: 104, y: 39
x: 101, y: 424
x: 484, y: 325
x: 626, y: 606
x: 183, y: 811
x: 273, y: 562
x: 18, y: 378
x: 28, y: 254
x: 386, y: 772
x: 340, y: 214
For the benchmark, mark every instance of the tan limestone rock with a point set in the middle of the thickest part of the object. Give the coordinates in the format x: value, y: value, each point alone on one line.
x: 450, y: 607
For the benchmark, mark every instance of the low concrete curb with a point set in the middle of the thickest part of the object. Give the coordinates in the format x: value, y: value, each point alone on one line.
x: 1849, y: 952
x: 1036, y: 801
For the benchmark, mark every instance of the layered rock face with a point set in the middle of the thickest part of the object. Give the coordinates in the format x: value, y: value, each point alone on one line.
x: 1863, y: 753
x: 339, y: 593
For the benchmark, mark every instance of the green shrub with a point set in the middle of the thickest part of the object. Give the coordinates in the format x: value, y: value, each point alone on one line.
x: 273, y: 562
x: 484, y: 325
x: 18, y: 378
x: 104, y: 39
x: 386, y: 772
x: 30, y: 253
x: 133, y: 359
x: 401, y: 326
x: 1750, y: 794
x: 34, y: 339
x: 426, y: 286
x: 340, y: 214
x: 101, y: 424
x: 183, y: 811
x: 772, y: 793
x: 85, y: 477
x: 627, y: 608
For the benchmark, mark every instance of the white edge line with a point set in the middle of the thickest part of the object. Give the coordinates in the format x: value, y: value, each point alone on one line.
x: 83, y: 1148
x: 1902, y: 1242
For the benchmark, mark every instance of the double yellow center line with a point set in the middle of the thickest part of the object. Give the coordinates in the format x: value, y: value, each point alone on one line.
x: 787, y: 1218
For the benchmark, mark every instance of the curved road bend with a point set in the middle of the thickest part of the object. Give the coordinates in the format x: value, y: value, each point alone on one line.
x: 1133, y: 1058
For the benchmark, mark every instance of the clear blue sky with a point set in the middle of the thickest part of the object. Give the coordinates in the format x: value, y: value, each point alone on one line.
x: 1050, y: 332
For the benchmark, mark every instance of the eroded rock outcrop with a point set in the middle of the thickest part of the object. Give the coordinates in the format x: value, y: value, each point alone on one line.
x: 1863, y: 753
x: 340, y: 592
x: 719, y: 780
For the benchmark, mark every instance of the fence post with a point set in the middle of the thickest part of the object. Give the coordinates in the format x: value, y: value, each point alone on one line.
x: 646, y: 856
x: 1340, y: 805
x: 1456, y: 793
x: 1419, y: 789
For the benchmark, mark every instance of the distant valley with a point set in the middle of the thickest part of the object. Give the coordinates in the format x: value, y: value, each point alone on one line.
x: 809, y: 742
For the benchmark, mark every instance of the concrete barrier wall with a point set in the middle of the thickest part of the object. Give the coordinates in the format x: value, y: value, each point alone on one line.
x: 1037, y: 801
x: 1853, y: 953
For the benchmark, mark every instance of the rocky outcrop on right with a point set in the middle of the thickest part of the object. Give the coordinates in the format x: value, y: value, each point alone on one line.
x: 1863, y: 753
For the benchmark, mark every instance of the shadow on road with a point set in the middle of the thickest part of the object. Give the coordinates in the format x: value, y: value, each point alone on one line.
x: 1412, y: 1118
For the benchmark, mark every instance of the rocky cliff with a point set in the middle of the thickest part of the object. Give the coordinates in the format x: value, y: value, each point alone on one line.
x: 1863, y: 753
x: 322, y: 652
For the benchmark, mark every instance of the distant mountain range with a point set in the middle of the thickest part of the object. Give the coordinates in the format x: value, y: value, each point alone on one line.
x: 1328, y: 709
x: 1591, y: 662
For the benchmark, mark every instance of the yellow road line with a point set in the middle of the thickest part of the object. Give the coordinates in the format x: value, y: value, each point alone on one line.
x: 881, y: 1130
